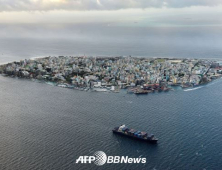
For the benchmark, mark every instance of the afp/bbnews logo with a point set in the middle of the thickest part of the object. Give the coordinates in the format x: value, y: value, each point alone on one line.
x: 100, y: 158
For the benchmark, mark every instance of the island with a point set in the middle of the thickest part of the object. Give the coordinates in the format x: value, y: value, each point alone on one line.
x: 137, y: 75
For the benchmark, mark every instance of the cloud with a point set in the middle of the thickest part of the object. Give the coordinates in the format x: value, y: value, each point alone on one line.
x: 45, y: 5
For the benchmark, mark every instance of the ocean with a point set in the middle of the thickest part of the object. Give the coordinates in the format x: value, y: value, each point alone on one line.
x: 48, y: 127
x: 19, y: 41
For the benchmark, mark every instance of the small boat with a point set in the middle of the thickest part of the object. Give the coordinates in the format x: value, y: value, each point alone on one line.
x: 69, y: 86
x: 65, y: 85
x: 62, y: 85
x: 141, y: 92
x: 86, y: 89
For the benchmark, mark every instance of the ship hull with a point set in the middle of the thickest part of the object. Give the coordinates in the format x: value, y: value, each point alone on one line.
x: 145, y: 140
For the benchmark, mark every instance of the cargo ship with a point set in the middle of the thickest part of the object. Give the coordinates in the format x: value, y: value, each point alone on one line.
x: 123, y: 130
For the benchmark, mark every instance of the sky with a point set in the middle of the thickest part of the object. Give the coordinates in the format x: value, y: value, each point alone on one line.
x: 109, y: 25
x: 113, y: 12
x: 45, y: 5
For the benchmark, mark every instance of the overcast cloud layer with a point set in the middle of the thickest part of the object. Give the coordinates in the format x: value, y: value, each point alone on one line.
x: 44, y: 5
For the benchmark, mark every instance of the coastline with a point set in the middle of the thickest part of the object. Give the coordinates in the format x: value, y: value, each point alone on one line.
x: 105, y: 74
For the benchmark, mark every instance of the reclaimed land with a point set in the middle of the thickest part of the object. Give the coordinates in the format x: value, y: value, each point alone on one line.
x: 138, y: 75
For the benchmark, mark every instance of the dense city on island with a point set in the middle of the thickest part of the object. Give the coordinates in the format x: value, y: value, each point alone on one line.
x: 137, y: 75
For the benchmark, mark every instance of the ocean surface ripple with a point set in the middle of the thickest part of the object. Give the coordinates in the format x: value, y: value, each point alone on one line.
x: 47, y: 127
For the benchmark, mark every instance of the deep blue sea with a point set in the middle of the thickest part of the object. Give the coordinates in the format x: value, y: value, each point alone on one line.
x: 48, y: 128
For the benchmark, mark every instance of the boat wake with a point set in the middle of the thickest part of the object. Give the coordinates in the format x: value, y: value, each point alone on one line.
x: 209, y: 84
x: 193, y: 89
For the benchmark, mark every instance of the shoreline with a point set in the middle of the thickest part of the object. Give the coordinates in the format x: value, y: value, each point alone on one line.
x: 102, y: 74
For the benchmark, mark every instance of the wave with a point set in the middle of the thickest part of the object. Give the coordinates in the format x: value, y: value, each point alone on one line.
x: 193, y: 89
x: 37, y: 57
